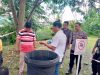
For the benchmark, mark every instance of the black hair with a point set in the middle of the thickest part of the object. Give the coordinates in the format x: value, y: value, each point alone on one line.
x: 78, y: 23
x: 58, y: 20
x: 0, y: 37
x: 66, y: 22
x: 28, y: 24
x: 57, y: 24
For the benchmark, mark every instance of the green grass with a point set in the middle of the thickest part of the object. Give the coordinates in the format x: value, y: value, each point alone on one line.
x: 12, y: 63
x: 91, y: 41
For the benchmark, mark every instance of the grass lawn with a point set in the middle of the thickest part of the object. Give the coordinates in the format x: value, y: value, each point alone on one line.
x: 11, y: 59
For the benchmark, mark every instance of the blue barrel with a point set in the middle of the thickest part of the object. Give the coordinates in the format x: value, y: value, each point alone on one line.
x: 41, y: 62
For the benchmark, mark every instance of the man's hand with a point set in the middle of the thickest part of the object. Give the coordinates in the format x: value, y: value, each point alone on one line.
x: 42, y: 43
x: 17, y: 45
x: 68, y: 46
x: 17, y: 50
x: 48, y: 45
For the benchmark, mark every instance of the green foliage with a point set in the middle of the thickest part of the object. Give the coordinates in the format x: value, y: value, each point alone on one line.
x: 44, y: 33
x: 72, y: 25
x: 76, y: 5
x: 7, y: 27
x: 39, y: 13
x: 9, y: 40
x: 92, y: 22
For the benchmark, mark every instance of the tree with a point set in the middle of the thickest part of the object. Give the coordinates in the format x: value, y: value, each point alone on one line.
x: 18, y: 7
x: 25, y: 8
x: 92, y: 22
x: 83, y: 6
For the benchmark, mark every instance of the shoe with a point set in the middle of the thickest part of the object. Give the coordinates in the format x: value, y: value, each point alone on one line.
x: 69, y: 72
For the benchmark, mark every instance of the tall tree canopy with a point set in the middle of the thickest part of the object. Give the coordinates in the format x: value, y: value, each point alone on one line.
x: 24, y: 10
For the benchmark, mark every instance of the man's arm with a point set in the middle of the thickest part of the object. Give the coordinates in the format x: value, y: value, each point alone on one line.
x: 1, y: 46
x: 17, y: 44
x: 54, y: 44
x: 70, y: 39
x: 48, y: 45
x: 34, y: 44
x: 85, y: 36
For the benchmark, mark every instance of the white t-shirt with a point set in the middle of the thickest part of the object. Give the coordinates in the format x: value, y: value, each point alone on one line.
x: 59, y: 41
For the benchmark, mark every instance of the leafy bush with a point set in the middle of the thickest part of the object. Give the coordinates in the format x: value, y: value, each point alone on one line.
x: 92, y: 22
x: 9, y: 40
x: 44, y: 34
x: 6, y: 26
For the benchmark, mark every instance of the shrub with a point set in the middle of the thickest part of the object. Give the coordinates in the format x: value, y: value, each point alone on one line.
x: 44, y: 33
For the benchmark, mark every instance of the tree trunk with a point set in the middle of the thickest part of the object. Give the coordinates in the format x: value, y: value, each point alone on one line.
x: 20, y: 20
x: 35, y: 5
x: 21, y: 16
x: 12, y: 7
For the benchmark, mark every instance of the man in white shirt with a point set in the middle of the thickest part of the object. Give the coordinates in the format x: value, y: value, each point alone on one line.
x: 58, y: 43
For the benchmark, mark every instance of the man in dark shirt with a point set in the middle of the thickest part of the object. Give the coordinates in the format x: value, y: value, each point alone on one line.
x: 68, y: 34
x: 77, y: 34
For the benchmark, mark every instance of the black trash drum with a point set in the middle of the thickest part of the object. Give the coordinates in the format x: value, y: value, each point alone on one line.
x: 41, y: 62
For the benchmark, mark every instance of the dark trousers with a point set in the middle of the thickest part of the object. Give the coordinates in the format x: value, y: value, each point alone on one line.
x: 1, y: 59
x: 57, y: 68
x: 4, y: 71
x: 72, y: 59
x: 95, y: 65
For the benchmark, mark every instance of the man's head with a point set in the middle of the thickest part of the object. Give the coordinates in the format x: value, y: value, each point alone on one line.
x: 65, y: 25
x: 0, y: 37
x: 56, y: 26
x: 28, y: 25
x: 78, y: 26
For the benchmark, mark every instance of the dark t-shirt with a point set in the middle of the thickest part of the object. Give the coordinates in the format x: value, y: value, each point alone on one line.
x: 77, y: 35
x: 68, y: 34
